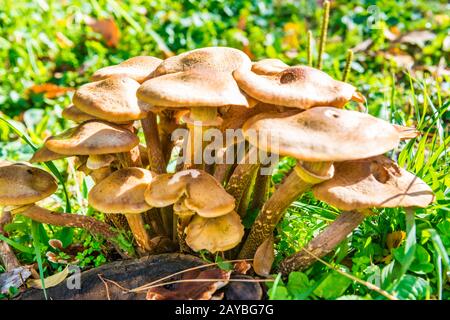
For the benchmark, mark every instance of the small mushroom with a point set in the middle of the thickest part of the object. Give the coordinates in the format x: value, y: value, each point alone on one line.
x: 98, y: 161
x: 123, y: 192
x: 269, y: 67
x: 112, y: 99
x: 215, y: 234
x: 358, y: 186
x: 136, y: 68
x: 203, y: 194
x: 316, y: 138
x: 297, y: 87
x: 92, y: 137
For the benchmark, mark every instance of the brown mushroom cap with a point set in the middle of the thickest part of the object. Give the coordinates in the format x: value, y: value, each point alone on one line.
x: 43, y: 154
x: 203, y: 194
x: 269, y: 67
x: 297, y: 87
x: 92, y: 137
x: 21, y: 184
x: 322, y: 134
x: 214, y: 234
x: 122, y: 191
x: 192, y: 88
x: 136, y: 68
x: 220, y: 59
x: 113, y: 99
x: 376, y: 182
x: 76, y: 115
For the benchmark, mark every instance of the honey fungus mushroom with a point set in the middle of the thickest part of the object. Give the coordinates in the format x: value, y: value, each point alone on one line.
x: 295, y: 87
x: 122, y: 192
x: 356, y: 187
x: 316, y: 138
x: 21, y: 186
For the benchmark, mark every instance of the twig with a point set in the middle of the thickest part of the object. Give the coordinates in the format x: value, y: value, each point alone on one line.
x: 309, y: 51
x: 348, y: 65
x: 106, y: 286
x: 365, y: 283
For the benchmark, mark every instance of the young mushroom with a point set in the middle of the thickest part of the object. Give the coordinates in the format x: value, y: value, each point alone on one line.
x: 296, y: 87
x: 122, y: 192
x: 316, y: 138
x: 356, y: 187
x: 136, y: 68
x: 21, y: 186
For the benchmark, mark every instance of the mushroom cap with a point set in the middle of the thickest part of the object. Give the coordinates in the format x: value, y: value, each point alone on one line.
x: 322, y: 134
x: 76, y: 115
x: 122, y: 191
x: 136, y: 68
x: 21, y: 184
x: 92, y: 137
x: 97, y: 161
x: 192, y: 88
x: 221, y: 59
x: 297, y: 87
x: 269, y: 67
x: 43, y: 154
x: 203, y: 194
x: 214, y: 234
x: 373, y: 182
x: 113, y: 99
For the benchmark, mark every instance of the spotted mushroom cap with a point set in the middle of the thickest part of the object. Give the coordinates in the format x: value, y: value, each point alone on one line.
x: 136, y: 68
x: 322, y: 134
x: 214, y: 234
x: 296, y: 87
x: 21, y: 184
x: 376, y: 182
x: 203, y: 194
x: 220, y: 59
x: 93, y: 137
x: 192, y: 88
x: 113, y: 99
x: 122, y: 191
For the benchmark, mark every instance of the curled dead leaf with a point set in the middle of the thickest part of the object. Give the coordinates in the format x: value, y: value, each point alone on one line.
x: 107, y: 28
x: 50, y: 281
x: 394, y: 239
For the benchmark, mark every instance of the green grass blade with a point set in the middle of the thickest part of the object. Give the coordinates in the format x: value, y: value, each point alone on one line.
x: 37, y: 248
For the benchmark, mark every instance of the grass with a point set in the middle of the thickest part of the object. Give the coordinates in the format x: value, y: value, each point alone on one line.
x: 45, y: 43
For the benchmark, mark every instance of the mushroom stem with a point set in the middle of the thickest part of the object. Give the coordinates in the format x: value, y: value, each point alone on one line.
x: 200, y: 119
x: 7, y: 256
x: 324, y: 243
x: 137, y: 226
x: 261, y: 188
x: 69, y: 220
x: 273, y: 210
x: 167, y: 126
x: 182, y: 223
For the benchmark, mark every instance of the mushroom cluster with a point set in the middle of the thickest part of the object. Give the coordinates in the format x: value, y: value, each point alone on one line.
x: 196, y: 206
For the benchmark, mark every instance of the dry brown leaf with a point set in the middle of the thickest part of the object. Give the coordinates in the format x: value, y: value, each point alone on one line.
x: 51, y: 281
x: 264, y: 257
x: 107, y: 28
x: 49, y: 90
x: 394, y: 239
x: 241, y: 267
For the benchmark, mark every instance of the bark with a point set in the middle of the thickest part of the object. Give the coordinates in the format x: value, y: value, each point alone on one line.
x: 324, y: 243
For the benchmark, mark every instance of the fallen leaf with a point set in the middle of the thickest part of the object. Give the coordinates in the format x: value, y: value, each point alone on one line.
x: 51, y: 281
x: 49, y: 90
x: 193, y: 290
x: 417, y: 38
x: 241, y: 267
x: 107, y: 28
x: 264, y: 257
